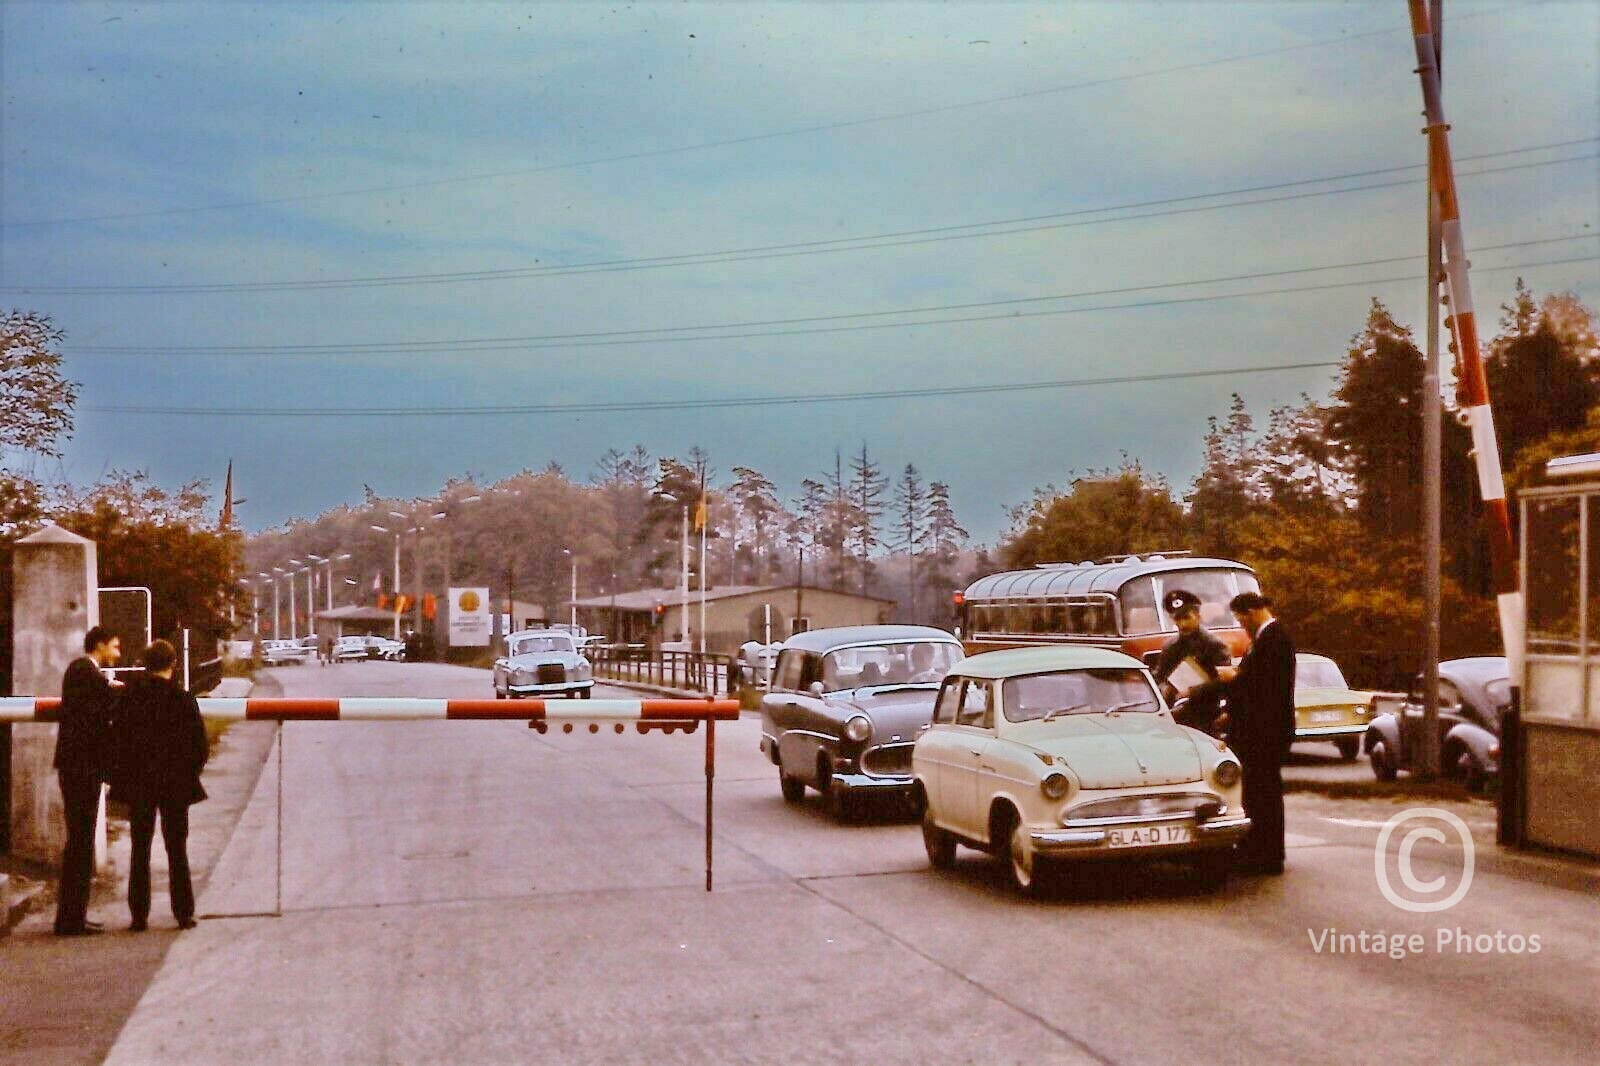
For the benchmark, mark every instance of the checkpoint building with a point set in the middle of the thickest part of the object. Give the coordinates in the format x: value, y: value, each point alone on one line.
x: 734, y: 614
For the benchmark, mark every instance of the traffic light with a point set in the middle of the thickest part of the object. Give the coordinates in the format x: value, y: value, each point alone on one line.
x: 430, y: 606
x: 659, y: 613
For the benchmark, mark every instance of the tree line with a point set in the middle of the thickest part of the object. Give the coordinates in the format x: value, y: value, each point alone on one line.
x: 1325, y: 499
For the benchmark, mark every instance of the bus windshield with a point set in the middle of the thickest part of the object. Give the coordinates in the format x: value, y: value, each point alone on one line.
x: 1143, y: 599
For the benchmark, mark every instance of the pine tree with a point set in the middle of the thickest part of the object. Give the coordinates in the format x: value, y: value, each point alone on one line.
x: 756, y: 498
x: 867, y: 485
x: 911, y: 525
x: 946, y: 538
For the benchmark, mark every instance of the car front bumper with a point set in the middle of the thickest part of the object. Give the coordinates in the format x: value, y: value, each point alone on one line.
x: 557, y: 689
x: 1092, y: 843
x: 1330, y: 732
x: 857, y: 782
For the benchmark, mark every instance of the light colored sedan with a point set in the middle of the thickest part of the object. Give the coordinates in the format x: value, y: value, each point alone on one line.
x: 542, y: 662
x: 1056, y: 755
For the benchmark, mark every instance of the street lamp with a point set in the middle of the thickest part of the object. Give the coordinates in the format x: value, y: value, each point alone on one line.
x: 683, y: 560
x: 396, y: 535
x: 572, y: 600
x: 328, y: 561
x: 278, y: 571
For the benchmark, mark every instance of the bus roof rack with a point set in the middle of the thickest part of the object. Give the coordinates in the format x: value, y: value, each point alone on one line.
x: 1177, y: 553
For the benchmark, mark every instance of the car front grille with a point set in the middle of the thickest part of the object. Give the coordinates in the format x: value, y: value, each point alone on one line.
x: 552, y: 673
x: 889, y: 760
x: 1164, y: 804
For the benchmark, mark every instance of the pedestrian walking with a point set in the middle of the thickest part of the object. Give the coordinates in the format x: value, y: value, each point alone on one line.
x: 88, y: 702
x: 325, y: 646
x: 1189, y: 664
x: 160, y: 749
x: 1260, y: 715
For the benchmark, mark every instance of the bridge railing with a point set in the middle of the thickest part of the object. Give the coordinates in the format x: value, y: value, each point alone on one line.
x: 692, y: 671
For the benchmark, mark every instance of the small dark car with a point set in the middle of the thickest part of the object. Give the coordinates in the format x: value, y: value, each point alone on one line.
x: 847, y: 704
x: 1473, y: 694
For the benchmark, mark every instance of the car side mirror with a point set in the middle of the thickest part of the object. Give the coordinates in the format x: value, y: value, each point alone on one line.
x: 815, y: 688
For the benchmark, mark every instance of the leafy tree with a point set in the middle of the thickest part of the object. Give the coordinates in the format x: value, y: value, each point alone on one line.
x: 1225, y: 490
x: 756, y: 498
x: 36, y: 401
x: 806, y: 531
x: 1542, y: 375
x: 166, y: 541
x: 1106, y: 513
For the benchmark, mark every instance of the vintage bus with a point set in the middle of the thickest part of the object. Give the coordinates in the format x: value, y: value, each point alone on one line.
x: 1109, y: 603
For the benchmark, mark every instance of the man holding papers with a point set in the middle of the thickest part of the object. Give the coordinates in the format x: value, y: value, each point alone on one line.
x: 1190, y: 664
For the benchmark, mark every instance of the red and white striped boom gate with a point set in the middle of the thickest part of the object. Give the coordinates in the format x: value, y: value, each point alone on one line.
x: 644, y: 715
x: 1472, y: 389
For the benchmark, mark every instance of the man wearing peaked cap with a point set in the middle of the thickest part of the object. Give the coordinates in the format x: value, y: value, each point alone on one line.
x: 1193, y: 642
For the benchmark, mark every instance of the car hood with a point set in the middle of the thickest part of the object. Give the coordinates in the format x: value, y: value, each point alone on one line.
x: 1330, y: 697
x: 893, y: 712
x: 1119, y: 751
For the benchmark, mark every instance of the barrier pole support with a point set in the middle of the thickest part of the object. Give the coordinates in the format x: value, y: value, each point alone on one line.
x: 711, y: 771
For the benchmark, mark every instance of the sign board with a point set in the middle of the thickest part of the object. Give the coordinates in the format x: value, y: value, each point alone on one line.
x: 126, y: 612
x: 469, y: 618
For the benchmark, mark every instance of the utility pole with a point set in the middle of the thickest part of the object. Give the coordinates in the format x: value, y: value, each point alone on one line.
x: 1426, y: 762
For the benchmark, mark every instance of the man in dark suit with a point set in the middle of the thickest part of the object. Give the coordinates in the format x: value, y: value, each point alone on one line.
x: 87, y: 703
x: 1261, y: 727
x: 160, y: 748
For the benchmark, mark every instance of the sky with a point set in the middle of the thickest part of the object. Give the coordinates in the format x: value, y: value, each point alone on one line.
x: 383, y: 244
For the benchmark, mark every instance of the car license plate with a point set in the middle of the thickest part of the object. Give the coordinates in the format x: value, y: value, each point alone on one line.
x: 1146, y: 835
x: 1327, y: 716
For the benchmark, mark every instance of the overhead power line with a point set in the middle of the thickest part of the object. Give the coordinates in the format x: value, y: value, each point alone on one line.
x: 694, y: 404
x: 656, y: 153
x: 810, y: 324
x: 867, y: 242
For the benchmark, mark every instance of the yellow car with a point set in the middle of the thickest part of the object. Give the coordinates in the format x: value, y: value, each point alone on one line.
x: 1327, y: 709
x: 1066, y: 755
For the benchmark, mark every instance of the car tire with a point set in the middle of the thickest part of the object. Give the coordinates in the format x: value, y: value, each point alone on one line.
x: 1211, y: 868
x: 1473, y: 775
x: 793, y: 789
x: 1349, y: 748
x: 586, y: 693
x: 940, y: 844
x: 499, y: 695
x: 1022, y: 869
x: 1383, y: 767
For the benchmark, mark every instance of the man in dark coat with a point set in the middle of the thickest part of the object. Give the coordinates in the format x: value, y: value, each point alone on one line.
x: 1209, y: 654
x: 1261, y: 727
x: 161, y: 748
x: 87, y: 704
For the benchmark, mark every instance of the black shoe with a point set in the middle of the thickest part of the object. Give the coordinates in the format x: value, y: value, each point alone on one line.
x: 80, y: 930
x: 187, y: 923
x: 138, y: 925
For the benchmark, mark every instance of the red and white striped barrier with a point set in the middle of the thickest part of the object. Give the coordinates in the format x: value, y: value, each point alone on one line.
x: 382, y: 709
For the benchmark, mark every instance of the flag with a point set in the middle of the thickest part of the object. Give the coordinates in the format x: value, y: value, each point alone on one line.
x: 701, y: 514
x: 377, y: 582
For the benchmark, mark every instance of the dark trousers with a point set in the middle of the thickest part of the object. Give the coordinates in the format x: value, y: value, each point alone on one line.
x: 1263, y: 802
x: 80, y: 795
x: 175, y: 834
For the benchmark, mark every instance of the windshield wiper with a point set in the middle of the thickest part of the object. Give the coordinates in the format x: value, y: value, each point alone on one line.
x: 1068, y: 710
x: 1124, y: 706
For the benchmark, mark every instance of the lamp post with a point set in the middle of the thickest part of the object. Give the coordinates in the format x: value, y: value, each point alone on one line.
x: 572, y: 599
x: 328, y: 562
x: 294, y: 621
x: 396, y: 535
x: 683, y: 563
x: 275, y: 613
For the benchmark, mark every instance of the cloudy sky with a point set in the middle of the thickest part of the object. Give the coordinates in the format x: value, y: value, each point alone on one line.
x: 375, y: 221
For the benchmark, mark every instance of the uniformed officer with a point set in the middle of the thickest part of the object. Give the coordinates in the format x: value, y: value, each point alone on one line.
x: 1194, y: 642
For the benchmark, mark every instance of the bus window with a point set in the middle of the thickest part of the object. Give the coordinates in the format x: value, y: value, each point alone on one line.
x: 1056, y: 619
x: 1139, y: 607
x: 1215, y: 588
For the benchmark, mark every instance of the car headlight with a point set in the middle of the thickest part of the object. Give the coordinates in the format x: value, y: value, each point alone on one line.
x: 1055, y: 786
x: 857, y: 729
x: 582, y: 668
x: 1227, y: 773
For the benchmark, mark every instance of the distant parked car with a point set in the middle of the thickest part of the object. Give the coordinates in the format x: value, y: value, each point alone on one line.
x: 350, y: 649
x: 284, y: 653
x: 1326, y: 708
x: 1068, y: 755
x: 1474, y: 694
x: 542, y: 662
x: 845, y: 706
x: 384, y: 648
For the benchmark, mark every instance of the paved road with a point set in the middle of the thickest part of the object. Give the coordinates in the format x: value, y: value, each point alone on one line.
x: 477, y: 892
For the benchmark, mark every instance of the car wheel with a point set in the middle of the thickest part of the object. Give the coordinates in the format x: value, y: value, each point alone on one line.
x: 499, y: 695
x: 586, y: 693
x: 1349, y: 747
x: 1012, y: 848
x: 1211, y: 868
x: 1383, y: 767
x: 1473, y: 775
x: 794, y: 789
x: 939, y: 843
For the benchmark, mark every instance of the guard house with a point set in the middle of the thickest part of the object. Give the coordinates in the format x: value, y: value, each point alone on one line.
x: 733, y: 613
x: 1559, y: 738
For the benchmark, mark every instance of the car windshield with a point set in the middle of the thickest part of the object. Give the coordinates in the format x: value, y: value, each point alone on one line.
x: 1039, y: 696
x: 1317, y: 673
x: 921, y: 662
x: 541, y: 644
